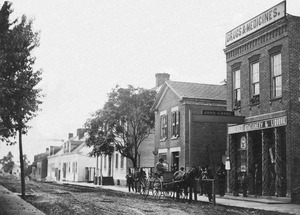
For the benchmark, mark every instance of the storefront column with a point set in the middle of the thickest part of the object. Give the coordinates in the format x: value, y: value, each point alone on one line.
x: 250, y: 165
x: 266, y: 175
x: 233, y: 177
x: 279, y: 186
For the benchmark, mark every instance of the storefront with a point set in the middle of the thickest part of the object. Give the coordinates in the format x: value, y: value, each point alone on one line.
x: 263, y: 58
x: 259, y: 145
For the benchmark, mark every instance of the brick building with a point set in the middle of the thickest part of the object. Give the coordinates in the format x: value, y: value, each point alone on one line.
x: 263, y: 58
x: 187, y: 130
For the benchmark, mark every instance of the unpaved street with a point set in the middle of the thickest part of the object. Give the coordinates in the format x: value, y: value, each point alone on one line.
x: 52, y: 198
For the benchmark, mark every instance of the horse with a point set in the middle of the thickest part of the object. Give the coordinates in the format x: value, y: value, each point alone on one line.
x: 186, y: 182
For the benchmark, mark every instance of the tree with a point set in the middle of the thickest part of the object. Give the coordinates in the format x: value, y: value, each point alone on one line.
x: 27, y: 166
x: 7, y: 162
x: 124, y: 122
x: 19, y: 95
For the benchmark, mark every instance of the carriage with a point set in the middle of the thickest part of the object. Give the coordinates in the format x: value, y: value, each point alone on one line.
x: 166, y: 185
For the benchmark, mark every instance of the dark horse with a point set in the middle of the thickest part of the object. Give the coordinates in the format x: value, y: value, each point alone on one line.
x: 186, y: 183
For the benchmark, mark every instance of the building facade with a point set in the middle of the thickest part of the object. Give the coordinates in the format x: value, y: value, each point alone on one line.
x: 263, y: 58
x: 185, y: 132
x: 73, y: 161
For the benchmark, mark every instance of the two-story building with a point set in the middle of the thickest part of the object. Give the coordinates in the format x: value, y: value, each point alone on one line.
x: 263, y: 58
x: 189, y: 130
x: 72, y: 162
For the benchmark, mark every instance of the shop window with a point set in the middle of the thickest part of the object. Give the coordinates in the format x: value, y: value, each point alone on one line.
x: 276, y: 71
x: 163, y: 127
x: 254, y: 70
x: 175, y: 124
x: 237, y: 89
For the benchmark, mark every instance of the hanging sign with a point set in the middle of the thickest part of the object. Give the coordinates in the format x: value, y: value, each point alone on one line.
x: 227, y: 164
x: 243, y: 142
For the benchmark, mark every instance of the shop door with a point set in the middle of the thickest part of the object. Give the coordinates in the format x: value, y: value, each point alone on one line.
x: 175, y: 161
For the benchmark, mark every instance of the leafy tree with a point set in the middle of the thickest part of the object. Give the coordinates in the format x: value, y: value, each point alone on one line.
x: 7, y: 162
x: 124, y: 122
x: 19, y: 96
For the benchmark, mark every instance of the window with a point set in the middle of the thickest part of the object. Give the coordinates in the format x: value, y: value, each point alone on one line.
x: 175, y: 124
x: 117, y: 160
x: 122, y: 162
x: 254, y: 70
x: 237, y: 88
x: 276, y: 72
x: 163, y: 127
x: 74, y: 167
x: 105, y: 157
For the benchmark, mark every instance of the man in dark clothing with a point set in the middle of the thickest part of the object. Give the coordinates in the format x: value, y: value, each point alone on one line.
x: 257, y: 181
x: 221, y: 175
x: 208, y: 184
x: 130, y: 180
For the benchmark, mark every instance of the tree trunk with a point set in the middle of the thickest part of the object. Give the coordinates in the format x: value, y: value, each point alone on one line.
x: 21, y: 165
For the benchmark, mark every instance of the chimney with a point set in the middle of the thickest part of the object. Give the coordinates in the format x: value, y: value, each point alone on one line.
x: 47, y: 151
x: 70, y: 135
x: 80, y: 133
x: 161, y: 78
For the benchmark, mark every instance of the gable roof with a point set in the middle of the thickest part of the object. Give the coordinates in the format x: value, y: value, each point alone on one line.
x: 187, y: 90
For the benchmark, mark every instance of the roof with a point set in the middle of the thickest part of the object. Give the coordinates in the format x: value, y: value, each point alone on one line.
x: 188, y: 90
x: 197, y: 90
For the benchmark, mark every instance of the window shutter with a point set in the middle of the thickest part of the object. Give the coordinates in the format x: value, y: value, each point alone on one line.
x: 178, y: 123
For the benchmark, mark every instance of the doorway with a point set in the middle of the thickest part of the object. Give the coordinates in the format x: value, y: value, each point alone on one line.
x: 175, y: 161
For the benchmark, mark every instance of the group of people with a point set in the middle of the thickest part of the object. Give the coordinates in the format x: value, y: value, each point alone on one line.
x: 134, y: 179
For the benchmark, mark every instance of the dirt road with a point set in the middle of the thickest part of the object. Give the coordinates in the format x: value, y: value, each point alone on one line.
x: 52, y: 198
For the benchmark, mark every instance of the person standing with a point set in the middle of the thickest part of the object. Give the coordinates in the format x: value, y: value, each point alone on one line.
x: 129, y: 179
x: 221, y: 175
x: 244, y: 180
x: 160, y: 168
x: 208, y: 184
x: 257, y: 181
x: 179, y: 175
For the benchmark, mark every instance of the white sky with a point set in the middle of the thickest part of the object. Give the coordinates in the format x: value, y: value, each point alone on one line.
x: 87, y: 47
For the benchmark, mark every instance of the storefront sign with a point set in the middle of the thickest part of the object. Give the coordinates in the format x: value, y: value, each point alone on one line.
x: 258, y: 22
x: 218, y: 113
x: 270, y: 123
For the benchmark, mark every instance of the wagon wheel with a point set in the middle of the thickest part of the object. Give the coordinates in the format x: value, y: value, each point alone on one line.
x: 144, y: 188
x: 157, y: 188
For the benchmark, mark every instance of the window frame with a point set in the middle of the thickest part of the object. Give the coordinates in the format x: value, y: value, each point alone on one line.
x: 117, y: 161
x: 175, y: 119
x: 122, y: 162
x: 276, y: 93
x: 254, y: 96
x: 236, y: 90
x: 163, y: 127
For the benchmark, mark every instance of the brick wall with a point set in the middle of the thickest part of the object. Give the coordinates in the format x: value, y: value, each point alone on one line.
x: 284, y: 33
x: 204, y: 136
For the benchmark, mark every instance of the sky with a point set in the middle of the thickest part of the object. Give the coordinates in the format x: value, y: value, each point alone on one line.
x: 88, y: 47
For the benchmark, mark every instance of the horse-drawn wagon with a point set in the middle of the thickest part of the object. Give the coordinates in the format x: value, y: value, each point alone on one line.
x: 167, y: 185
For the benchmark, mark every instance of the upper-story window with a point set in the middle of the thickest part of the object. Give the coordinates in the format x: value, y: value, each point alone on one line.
x: 175, y: 122
x: 163, y: 125
x: 254, y: 69
x: 237, y: 88
x: 276, y: 71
